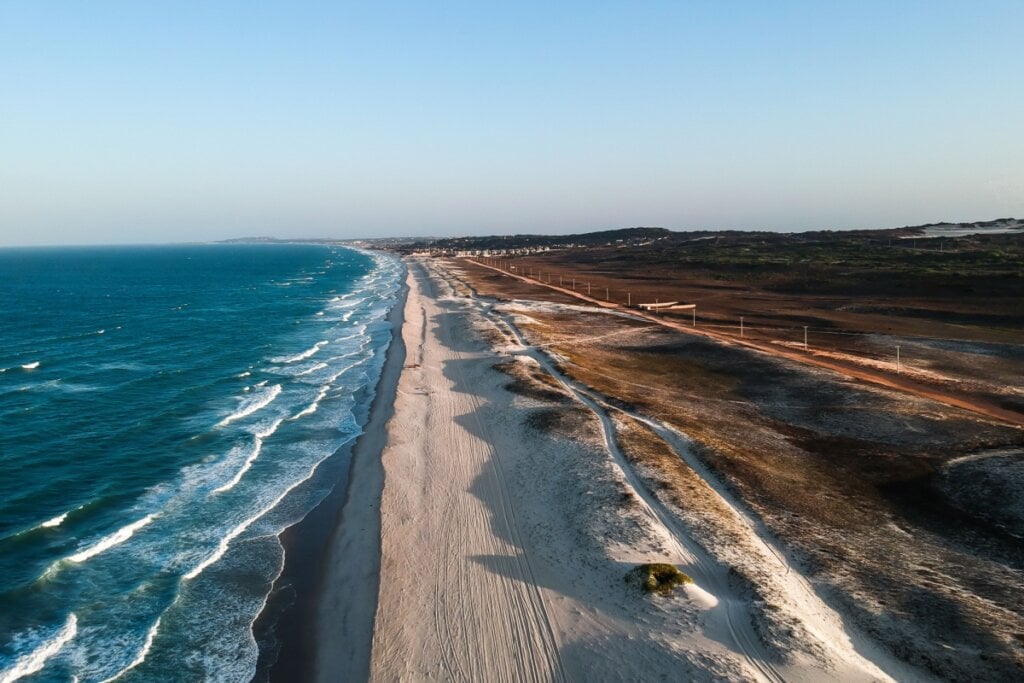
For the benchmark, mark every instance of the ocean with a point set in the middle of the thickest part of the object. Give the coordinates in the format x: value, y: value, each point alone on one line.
x: 162, y: 413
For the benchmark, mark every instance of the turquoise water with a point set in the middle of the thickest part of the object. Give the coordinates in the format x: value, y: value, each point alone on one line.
x: 162, y: 410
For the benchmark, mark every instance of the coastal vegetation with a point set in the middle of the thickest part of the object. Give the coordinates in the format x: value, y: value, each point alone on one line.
x: 657, y: 577
x: 858, y: 484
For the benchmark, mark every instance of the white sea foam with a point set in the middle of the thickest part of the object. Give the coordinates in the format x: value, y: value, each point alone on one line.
x: 50, y: 523
x: 342, y: 371
x: 351, y: 301
x: 314, y: 368
x: 269, y: 430
x: 243, y: 374
x: 360, y: 330
x: 222, y: 547
x: 249, y: 407
x: 257, y: 446
x: 301, y: 356
x: 30, y: 366
x: 35, y: 660
x: 141, y: 657
x: 311, y: 408
x: 56, y: 521
x: 116, y: 538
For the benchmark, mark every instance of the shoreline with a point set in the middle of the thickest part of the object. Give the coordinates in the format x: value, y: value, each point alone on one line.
x: 295, y: 602
x: 343, y: 601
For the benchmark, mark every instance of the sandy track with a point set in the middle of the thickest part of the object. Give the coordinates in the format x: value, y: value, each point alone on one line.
x: 887, y: 380
x: 731, y: 613
x: 727, y: 616
x: 503, y: 548
x: 442, y: 613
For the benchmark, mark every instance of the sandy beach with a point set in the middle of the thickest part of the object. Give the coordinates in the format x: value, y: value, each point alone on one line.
x: 505, y: 517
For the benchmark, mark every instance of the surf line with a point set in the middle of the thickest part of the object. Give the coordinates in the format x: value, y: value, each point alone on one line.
x: 34, y: 661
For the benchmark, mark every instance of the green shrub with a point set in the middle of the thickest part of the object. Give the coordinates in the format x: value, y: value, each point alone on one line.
x: 657, y: 577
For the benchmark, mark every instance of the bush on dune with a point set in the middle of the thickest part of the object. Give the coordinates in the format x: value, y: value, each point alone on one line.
x: 657, y: 577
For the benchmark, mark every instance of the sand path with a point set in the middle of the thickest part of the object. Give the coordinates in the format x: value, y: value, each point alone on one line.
x: 445, y: 502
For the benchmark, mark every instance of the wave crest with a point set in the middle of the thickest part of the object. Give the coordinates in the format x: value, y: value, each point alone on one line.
x: 116, y: 538
x: 36, y: 659
x: 251, y: 406
x: 301, y: 356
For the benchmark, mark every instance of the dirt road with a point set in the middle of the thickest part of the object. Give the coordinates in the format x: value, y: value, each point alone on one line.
x: 849, y: 370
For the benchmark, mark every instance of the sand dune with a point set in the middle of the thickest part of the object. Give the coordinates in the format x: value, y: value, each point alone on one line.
x: 503, y: 546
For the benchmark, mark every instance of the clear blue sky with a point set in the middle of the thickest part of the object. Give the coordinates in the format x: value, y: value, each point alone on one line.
x: 171, y: 121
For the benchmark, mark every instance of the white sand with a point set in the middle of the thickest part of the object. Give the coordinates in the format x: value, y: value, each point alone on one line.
x: 503, y: 548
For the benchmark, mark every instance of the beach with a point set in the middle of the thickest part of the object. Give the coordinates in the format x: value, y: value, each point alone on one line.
x: 505, y: 519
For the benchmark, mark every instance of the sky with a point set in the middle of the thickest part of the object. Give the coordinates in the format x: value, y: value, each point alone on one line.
x: 140, y: 122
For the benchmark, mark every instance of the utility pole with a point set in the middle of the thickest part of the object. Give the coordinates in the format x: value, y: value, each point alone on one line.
x: 574, y: 284
x: 897, y: 359
x: 606, y: 294
x: 805, y: 337
x: 629, y: 299
x: 559, y: 280
x: 588, y: 289
x: 741, y: 325
x: 695, y: 315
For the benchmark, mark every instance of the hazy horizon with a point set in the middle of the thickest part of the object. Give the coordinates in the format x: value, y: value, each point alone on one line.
x: 131, y: 124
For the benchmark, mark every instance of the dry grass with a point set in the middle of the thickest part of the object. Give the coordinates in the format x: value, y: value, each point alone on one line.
x: 528, y: 379
x: 845, y: 476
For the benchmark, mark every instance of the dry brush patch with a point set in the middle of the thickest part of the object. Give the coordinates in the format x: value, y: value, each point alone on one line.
x: 720, y: 531
x: 490, y: 283
x: 845, y: 476
x: 845, y: 482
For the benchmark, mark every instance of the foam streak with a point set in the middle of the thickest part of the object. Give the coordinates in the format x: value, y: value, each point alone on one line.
x: 141, y: 657
x: 116, y: 538
x: 257, y: 446
x: 250, y: 407
x: 222, y: 547
x: 35, y: 660
x: 56, y: 521
x: 304, y: 355
x: 311, y: 408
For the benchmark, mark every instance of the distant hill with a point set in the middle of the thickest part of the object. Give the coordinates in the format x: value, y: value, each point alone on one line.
x: 641, y: 237
x: 999, y: 226
x: 625, y: 236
